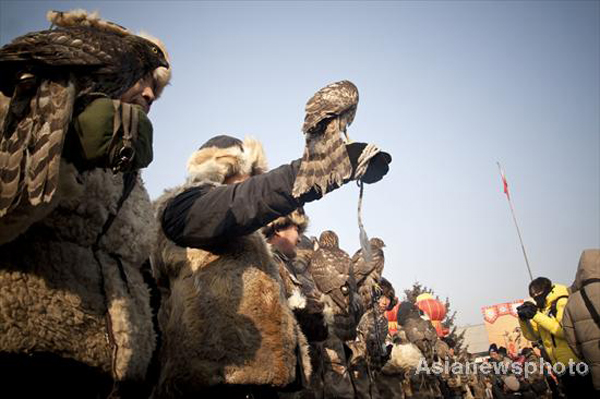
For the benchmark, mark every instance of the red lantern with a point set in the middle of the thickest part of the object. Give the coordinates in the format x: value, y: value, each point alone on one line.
x: 435, y: 310
x: 392, y: 317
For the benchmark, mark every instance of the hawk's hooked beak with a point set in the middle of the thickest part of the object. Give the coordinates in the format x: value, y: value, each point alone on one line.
x: 164, y: 63
x: 348, y: 141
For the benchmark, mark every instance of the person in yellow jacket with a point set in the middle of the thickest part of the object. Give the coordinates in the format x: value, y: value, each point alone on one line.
x: 542, y: 321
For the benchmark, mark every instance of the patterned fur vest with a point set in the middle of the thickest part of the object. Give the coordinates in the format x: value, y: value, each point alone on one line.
x: 60, y: 296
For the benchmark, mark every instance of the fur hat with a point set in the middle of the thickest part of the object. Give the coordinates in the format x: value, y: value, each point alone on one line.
x: 511, y: 382
x: 389, y: 292
x: 80, y: 17
x: 224, y: 156
x: 296, y: 218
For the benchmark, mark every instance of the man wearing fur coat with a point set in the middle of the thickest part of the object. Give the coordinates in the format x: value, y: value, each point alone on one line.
x: 369, y: 349
x: 227, y: 328
x: 291, y: 252
x: 75, y: 318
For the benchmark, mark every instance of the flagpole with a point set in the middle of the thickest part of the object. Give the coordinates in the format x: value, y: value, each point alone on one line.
x: 512, y: 211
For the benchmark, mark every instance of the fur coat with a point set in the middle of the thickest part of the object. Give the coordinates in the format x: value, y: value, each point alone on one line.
x: 59, y: 296
x: 224, y: 316
x: 581, y: 331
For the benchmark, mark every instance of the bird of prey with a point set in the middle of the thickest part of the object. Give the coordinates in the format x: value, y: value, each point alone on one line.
x: 368, y: 272
x: 47, y: 74
x: 373, y: 330
x: 418, y: 330
x: 325, y: 161
x: 364, y: 268
x: 330, y: 267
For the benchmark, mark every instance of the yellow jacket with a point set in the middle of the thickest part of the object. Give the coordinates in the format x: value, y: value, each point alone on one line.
x: 548, y: 327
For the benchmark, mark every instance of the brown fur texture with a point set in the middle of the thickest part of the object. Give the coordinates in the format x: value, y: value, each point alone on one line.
x: 224, y: 316
x: 296, y: 218
x: 217, y: 164
x: 54, y: 294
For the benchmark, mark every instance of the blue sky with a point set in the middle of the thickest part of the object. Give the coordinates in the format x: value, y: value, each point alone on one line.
x: 448, y: 88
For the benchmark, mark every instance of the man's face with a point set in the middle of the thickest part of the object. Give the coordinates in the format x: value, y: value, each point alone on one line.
x: 384, y: 302
x: 539, y: 298
x: 286, y: 240
x: 141, y: 93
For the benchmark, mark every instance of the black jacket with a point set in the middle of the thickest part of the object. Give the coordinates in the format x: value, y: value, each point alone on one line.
x: 206, y: 215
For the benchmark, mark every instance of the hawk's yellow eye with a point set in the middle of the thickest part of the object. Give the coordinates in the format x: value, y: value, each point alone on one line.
x: 154, y: 50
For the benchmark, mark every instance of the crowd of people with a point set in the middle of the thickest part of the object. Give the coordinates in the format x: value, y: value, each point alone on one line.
x: 215, y: 289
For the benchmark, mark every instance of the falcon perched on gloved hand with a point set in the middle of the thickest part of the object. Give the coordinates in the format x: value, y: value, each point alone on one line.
x: 325, y: 161
x: 48, y: 73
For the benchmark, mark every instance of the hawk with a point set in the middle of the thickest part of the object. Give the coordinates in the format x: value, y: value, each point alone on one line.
x: 368, y: 273
x: 47, y: 74
x: 325, y: 161
x: 331, y: 269
x: 418, y: 330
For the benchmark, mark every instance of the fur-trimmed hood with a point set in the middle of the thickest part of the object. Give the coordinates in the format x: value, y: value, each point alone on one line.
x: 80, y: 17
x: 224, y: 156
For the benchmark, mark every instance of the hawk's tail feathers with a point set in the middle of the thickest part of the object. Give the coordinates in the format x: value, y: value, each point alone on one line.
x: 13, y: 146
x: 30, y: 155
x: 56, y: 101
x: 323, y: 166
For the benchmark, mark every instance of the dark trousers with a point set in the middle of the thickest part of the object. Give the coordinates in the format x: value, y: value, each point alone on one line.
x: 45, y: 375
x: 578, y: 386
x: 236, y: 392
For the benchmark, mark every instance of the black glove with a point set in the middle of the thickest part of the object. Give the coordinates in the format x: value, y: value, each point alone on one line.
x: 526, y: 311
x: 378, y: 165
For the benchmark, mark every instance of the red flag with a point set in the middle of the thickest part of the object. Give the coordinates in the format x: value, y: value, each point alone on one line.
x: 504, y: 182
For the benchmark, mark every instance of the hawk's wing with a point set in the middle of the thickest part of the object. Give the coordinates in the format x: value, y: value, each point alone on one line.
x: 368, y: 274
x: 30, y: 156
x: 324, y: 271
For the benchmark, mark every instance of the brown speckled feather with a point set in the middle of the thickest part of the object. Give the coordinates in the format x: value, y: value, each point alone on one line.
x: 329, y: 268
x: 368, y: 274
x: 30, y: 157
x: 325, y: 162
x: 45, y: 73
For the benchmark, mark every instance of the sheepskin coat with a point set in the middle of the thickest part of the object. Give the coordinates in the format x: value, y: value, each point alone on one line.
x: 224, y: 316
x: 58, y: 295
x: 581, y: 331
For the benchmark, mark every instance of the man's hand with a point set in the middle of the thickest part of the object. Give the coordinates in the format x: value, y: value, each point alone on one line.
x: 527, y: 311
x: 378, y: 165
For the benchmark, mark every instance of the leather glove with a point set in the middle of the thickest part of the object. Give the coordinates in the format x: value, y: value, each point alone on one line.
x: 378, y: 165
x: 527, y: 311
